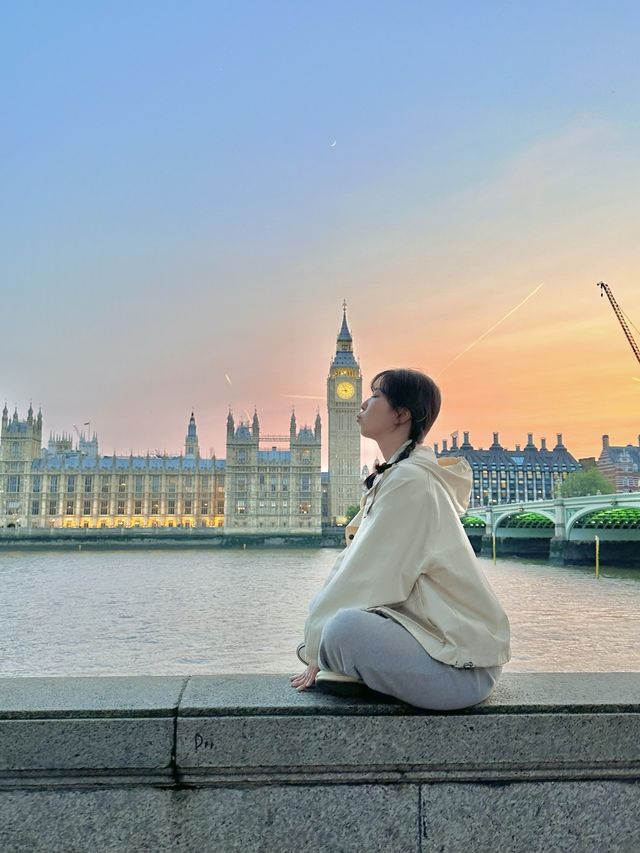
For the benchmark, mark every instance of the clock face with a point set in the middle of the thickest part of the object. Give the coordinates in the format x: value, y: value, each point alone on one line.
x: 345, y: 390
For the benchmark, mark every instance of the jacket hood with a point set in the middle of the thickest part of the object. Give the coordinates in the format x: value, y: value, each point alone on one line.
x: 454, y: 472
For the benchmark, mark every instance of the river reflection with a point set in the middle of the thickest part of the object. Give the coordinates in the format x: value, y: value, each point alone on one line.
x: 175, y: 612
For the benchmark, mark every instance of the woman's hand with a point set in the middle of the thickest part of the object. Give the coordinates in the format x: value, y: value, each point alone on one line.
x: 307, y: 679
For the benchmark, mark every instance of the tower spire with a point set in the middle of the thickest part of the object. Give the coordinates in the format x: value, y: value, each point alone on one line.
x: 344, y: 334
x: 191, y: 447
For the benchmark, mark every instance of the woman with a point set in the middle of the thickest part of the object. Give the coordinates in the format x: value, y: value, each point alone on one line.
x: 406, y: 609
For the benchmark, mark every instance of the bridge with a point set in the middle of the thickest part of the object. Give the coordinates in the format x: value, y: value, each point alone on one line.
x: 565, y: 513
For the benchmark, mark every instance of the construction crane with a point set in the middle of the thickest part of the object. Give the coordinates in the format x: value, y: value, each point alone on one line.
x: 604, y: 288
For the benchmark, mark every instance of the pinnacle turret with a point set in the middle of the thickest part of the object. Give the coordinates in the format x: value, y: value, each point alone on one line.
x: 191, y: 441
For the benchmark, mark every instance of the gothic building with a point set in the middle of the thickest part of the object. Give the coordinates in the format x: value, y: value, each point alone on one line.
x: 344, y: 398
x: 269, y: 488
x: 60, y: 486
x: 267, y: 484
x: 20, y: 443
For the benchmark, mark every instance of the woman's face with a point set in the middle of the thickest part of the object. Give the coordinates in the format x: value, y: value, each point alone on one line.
x: 377, y: 417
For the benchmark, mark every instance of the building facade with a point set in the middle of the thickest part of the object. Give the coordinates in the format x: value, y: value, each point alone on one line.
x: 273, y: 482
x: 621, y: 464
x: 63, y: 486
x: 509, y: 476
x: 344, y: 398
x: 268, y: 483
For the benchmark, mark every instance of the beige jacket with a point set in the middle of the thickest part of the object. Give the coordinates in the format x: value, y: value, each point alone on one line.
x: 409, y: 557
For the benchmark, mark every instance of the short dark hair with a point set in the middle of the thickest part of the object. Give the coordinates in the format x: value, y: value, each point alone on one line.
x: 413, y: 390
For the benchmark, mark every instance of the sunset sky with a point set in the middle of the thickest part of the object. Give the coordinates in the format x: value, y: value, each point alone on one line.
x: 191, y: 190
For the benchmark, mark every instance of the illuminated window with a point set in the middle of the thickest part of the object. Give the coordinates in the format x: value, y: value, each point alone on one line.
x: 241, y: 506
x: 204, y: 508
x: 69, y: 508
x: 305, y: 507
x: 155, y: 507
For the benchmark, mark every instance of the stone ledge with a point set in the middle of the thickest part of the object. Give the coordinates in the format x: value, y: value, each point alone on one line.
x: 244, y: 762
x: 90, y: 697
x: 517, y: 693
x: 234, y: 729
x: 271, y: 695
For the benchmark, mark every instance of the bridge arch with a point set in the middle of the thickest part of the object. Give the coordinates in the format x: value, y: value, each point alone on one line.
x: 546, y: 513
x: 571, y: 523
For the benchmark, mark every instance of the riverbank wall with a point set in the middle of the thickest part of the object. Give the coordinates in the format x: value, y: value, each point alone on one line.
x: 539, y: 547
x: 245, y: 763
x: 165, y: 537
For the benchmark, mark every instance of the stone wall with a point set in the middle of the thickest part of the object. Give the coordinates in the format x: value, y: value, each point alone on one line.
x: 551, y: 762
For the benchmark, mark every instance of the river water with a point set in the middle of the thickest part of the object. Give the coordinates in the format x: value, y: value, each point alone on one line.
x: 177, y: 612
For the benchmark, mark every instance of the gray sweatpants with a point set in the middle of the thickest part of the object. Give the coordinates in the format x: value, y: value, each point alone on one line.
x: 389, y: 659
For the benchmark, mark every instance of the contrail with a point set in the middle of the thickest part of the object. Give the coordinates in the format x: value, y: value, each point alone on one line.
x: 302, y: 396
x: 495, y: 325
x: 226, y: 376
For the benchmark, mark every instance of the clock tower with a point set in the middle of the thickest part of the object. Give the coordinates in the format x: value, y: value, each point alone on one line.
x: 344, y: 397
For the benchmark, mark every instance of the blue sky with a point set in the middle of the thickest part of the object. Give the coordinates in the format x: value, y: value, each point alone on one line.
x: 173, y: 209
